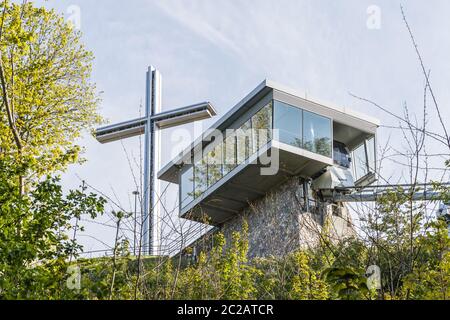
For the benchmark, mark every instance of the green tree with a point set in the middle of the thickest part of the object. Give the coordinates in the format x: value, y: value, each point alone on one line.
x: 236, y: 275
x: 46, y: 100
x: 307, y: 283
x: 347, y: 283
x: 221, y: 273
x: 293, y: 276
x: 35, y: 247
x: 46, y: 97
x: 430, y: 278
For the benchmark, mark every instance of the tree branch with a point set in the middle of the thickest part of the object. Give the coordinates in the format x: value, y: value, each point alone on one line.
x: 8, y: 108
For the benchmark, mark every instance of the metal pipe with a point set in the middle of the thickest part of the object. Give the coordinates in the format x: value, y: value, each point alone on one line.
x: 147, y: 160
x: 368, y: 197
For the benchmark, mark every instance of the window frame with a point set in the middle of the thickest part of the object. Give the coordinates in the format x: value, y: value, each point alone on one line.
x: 367, y: 164
x: 192, y: 197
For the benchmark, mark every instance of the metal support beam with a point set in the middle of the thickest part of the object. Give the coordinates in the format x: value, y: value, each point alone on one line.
x: 373, y: 193
x: 151, y: 209
x: 361, y: 197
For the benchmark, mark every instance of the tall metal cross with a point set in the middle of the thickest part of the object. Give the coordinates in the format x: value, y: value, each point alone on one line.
x: 150, y: 126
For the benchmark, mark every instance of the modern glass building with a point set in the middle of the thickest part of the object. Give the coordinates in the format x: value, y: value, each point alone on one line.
x: 270, y: 136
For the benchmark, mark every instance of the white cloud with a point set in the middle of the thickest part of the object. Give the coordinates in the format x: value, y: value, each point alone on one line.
x: 193, y: 20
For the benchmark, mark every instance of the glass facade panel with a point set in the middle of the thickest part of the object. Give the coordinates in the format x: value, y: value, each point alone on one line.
x: 364, y: 159
x: 317, y: 133
x: 262, y: 127
x: 215, y: 164
x: 187, y: 186
x: 295, y: 126
x: 244, y: 141
x: 288, y: 121
x: 359, y: 162
x: 370, y: 143
x: 200, y: 177
x: 229, y: 156
x: 341, y: 155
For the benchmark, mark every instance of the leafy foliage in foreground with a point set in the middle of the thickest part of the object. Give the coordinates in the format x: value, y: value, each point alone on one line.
x: 36, y: 252
x: 337, y: 272
x: 35, y: 248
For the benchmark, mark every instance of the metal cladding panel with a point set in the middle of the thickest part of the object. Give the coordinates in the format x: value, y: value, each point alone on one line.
x: 202, y: 106
x: 119, y: 135
x: 121, y: 130
x: 183, y: 119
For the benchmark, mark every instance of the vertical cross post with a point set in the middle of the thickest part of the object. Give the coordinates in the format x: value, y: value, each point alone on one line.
x: 152, y: 158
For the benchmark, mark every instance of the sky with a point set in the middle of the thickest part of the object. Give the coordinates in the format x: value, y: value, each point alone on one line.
x: 220, y: 50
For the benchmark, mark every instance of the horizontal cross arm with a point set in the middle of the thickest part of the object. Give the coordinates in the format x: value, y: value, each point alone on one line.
x: 163, y: 120
x: 179, y: 116
x: 121, y: 130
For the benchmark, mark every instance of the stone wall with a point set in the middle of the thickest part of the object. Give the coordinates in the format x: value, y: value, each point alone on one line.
x: 273, y: 221
x: 281, y: 222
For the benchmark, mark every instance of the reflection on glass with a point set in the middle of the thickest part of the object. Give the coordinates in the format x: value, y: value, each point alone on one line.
x: 341, y: 155
x: 229, y: 154
x: 215, y: 164
x: 359, y: 162
x: 316, y: 133
x: 244, y: 141
x: 288, y: 120
x: 262, y: 125
x: 200, y: 177
x: 187, y: 186
x: 364, y: 159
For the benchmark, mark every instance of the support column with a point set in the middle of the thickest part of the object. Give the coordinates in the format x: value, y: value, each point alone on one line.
x: 155, y: 186
x: 146, y: 207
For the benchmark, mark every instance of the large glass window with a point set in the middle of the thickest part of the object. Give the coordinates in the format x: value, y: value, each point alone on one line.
x: 244, y: 141
x: 370, y: 143
x: 262, y: 127
x: 229, y: 156
x: 288, y: 121
x: 187, y: 186
x: 364, y: 159
x: 200, y: 177
x: 215, y: 164
x: 360, y: 162
x: 316, y: 133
